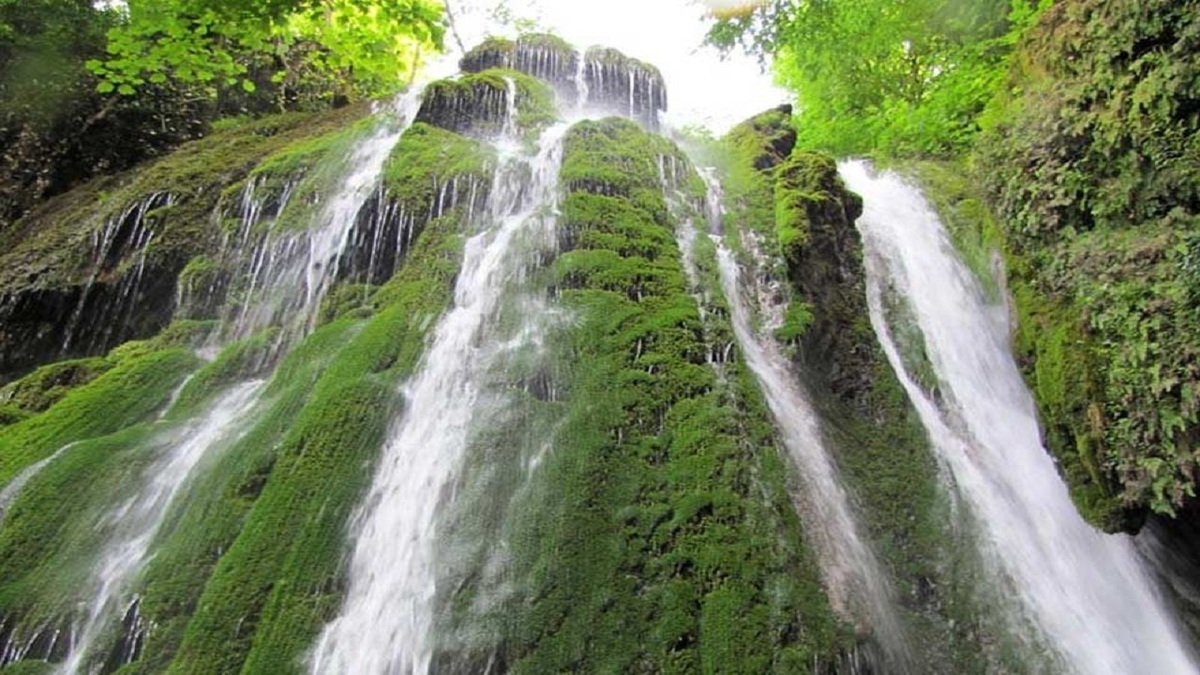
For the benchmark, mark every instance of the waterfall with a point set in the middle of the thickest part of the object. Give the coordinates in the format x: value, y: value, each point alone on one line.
x: 289, y: 269
x: 386, y: 622
x: 854, y: 580
x: 289, y: 272
x: 1085, y: 591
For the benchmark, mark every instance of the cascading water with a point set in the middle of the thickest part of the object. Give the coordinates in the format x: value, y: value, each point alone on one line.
x: 1085, y: 591
x: 288, y: 274
x: 289, y: 270
x: 135, y: 521
x: 854, y: 580
x: 386, y: 622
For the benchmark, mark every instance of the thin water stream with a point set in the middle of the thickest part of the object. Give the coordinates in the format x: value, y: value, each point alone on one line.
x: 854, y: 580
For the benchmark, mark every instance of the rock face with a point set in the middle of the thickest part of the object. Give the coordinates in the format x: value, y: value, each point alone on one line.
x: 597, y: 80
x: 98, y: 266
x: 116, y: 295
x: 486, y: 103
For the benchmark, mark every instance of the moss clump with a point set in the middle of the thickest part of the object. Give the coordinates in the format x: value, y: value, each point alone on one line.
x: 428, y: 158
x: 47, y: 385
x: 478, y: 103
x: 616, y: 159
x: 130, y: 391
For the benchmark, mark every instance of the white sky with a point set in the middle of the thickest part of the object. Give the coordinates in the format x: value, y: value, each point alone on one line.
x: 701, y: 88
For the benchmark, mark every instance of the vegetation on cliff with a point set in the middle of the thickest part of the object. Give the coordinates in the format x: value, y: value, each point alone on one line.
x: 660, y: 535
x: 793, y: 204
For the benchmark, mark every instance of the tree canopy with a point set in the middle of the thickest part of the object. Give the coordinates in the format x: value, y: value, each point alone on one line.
x: 304, y: 50
x: 95, y: 86
x: 908, y: 77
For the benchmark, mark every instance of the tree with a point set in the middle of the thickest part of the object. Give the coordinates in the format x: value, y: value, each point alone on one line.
x: 303, y: 52
x: 893, y: 76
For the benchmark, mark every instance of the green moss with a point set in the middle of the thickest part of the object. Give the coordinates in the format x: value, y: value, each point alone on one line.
x: 47, y: 385
x: 615, y: 158
x: 427, y: 158
x: 253, y: 566
x: 132, y: 390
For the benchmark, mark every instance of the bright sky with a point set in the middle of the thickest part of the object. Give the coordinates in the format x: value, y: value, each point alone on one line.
x: 701, y: 87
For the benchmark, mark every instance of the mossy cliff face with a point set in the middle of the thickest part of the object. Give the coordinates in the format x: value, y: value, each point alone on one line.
x: 247, y: 567
x: 1093, y: 172
x: 790, y: 210
x: 654, y: 531
x: 657, y: 534
x: 97, y: 266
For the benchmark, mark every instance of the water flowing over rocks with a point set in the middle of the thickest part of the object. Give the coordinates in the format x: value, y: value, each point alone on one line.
x: 462, y: 382
x: 599, y: 79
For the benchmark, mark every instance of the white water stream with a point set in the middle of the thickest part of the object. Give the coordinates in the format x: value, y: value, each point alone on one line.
x: 1086, y: 591
x: 135, y: 521
x: 385, y: 625
x: 854, y: 581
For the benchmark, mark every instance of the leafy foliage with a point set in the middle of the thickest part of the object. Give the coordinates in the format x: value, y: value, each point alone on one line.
x: 1093, y: 166
x: 305, y: 51
x: 881, y: 76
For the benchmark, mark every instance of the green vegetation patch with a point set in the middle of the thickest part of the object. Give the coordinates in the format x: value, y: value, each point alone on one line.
x: 253, y: 568
x: 47, y: 385
x: 426, y: 159
x: 1092, y: 167
x: 129, y: 392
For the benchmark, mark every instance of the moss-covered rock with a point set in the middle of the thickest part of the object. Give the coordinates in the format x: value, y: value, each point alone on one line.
x: 657, y: 535
x: 45, y: 386
x: 487, y: 102
x: 792, y: 206
x: 599, y: 79
x: 546, y: 57
x: 97, y: 266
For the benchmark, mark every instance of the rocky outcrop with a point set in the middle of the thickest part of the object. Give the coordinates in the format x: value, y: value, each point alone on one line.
x: 99, y: 266
x: 488, y: 103
x: 792, y: 205
x: 598, y: 80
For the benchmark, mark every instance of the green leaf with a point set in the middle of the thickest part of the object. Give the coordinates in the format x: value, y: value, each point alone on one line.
x: 248, y: 86
x: 105, y: 87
